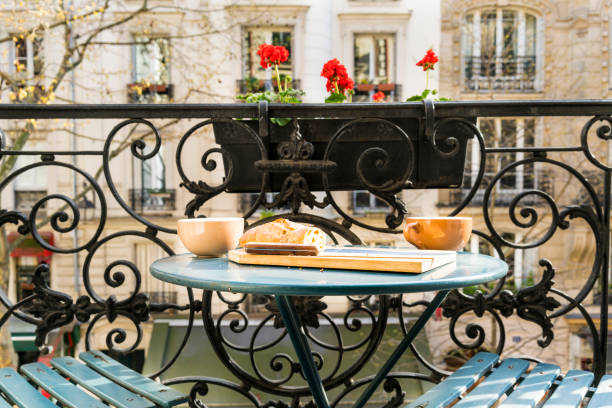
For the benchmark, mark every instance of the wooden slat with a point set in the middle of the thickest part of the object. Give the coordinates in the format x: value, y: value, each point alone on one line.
x: 571, y: 391
x: 4, y: 404
x: 99, y: 385
x: 20, y: 392
x: 457, y: 383
x: 495, y: 385
x: 533, y: 388
x: 60, y: 388
x: 603, y: 395
x: 130, y: 379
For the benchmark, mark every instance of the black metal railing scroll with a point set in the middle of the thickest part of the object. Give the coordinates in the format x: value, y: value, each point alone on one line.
x: 390, y: 150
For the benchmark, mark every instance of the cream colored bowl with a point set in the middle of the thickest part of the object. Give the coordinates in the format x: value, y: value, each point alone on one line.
x: 210, y: 236
x: 441, y: 233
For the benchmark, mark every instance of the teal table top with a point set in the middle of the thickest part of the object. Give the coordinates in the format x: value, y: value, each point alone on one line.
x: 224, y: 275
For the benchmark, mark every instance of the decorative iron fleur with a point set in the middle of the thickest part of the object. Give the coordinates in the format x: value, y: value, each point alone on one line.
x: 531, y: 303
x: 307, y: 307
x: 57, y: 309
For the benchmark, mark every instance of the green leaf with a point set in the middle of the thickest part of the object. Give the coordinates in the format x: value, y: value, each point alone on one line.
x: 335, y: 98
x: 280, y: 121
x: 434, y: 91
x: 415, y: 98
x: 425, y: 93
x: 442, y: 99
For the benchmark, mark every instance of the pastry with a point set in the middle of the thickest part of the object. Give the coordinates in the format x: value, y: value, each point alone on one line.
x: 285, y: 231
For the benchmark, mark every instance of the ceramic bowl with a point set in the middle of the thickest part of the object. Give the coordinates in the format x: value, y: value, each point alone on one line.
x: 210, y: 236
x: 441, y: 233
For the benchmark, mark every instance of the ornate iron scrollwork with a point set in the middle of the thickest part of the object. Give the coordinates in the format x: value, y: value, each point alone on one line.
x: 279, y: 374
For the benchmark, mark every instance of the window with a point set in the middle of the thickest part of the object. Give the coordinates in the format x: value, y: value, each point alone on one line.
x: 26, y: 56
x: 502, y: 133
x: 374, y: 58
x: 253, y: 38
x: 247, y: 201
x: 364, y: 201
x: 30, y: 186
x: 151, y: 71
x: 499, y: 50
x: 150, y: 175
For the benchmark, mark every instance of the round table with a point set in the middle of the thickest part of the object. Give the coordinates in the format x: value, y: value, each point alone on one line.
x: 283, y: 282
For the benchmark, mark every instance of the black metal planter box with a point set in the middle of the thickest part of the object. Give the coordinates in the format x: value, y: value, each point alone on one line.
x: 384, y: 153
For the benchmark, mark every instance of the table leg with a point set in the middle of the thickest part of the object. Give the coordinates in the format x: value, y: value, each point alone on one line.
x: 302, y: 349
x: 401, y: 348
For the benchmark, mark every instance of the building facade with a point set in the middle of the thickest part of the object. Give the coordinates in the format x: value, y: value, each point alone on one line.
x: 507, y: 50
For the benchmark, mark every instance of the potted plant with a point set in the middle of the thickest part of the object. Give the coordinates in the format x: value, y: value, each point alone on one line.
x: 369, y: 136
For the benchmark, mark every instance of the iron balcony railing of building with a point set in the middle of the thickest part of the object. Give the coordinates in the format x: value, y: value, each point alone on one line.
x: 509, y: 186
x: 500, y: 74
x: 386, y: 149
x: 152, y: 200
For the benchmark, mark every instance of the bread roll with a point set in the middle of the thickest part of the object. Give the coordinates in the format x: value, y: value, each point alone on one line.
x: 284, y: 231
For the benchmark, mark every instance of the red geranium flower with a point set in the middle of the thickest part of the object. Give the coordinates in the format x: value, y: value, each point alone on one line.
x: 428, y: 61
x: 378, y: 96
x: 337, y: 77
x: 272, y: 55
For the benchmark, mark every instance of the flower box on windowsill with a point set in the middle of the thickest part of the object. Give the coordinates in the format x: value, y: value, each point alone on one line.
x: 386, y: 87
x: 365, y: 87
x: 360, y: 143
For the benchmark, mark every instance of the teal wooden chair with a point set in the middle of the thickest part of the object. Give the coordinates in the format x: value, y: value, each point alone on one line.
x: 108, y: 382
x: 484, y: 381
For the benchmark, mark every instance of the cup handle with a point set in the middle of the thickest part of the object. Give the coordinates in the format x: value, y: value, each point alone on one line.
x: 417, y: 229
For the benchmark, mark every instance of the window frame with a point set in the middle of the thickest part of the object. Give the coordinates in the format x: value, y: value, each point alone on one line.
x: 34, y: 49
x: 471, y: 37
x: 373, y: 208
x: 250, y: 63
x: 391, y: 57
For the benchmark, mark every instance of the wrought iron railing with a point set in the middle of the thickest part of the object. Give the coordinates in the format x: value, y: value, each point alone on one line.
x: 386, y: 149
x: 152, y: 200
x: 512, y: 184
x: 500, y: 74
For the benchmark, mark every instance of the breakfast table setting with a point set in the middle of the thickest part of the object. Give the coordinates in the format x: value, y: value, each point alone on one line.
x: 286, y: 259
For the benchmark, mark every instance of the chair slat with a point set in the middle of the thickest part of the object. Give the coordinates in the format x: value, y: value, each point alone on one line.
x: 495, y: 385
x: 130, y: 379
x: 99, y: 385
x: 534, y: 387
x: 60, y: 388
x: 455, y: 384
x: 4, y: 404
x: 20, y: 392
x: 603, y: 395
x: 571, y: 391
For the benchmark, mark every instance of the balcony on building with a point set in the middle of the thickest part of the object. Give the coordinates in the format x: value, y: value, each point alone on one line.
x: 148, y: 200
x: 503, y: 74
x: 25, y: 199
x: 510, y: 185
